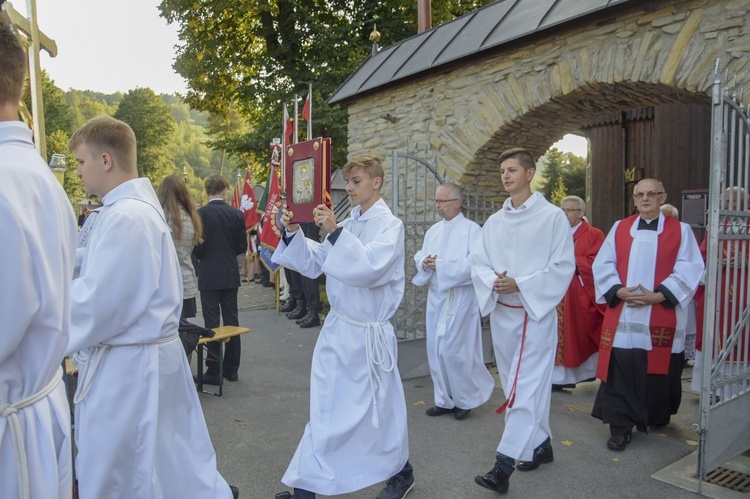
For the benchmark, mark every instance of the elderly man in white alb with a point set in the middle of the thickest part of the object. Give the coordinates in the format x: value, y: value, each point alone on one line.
x: 460, y: 379
x: 646, y: 272
x: 39, y: 228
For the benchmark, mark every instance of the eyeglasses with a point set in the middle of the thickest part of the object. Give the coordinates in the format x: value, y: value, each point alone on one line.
x: 443, y: 201
x: 570, y: 210
x: 649, y: 194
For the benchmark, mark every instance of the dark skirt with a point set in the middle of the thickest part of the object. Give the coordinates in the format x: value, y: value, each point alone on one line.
x: 631, y: 397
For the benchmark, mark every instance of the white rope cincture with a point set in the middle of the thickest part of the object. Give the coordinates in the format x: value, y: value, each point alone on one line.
x: 378, y: 356
x: 450, y: 308
x: 10, y: 412
x: 88, y: 372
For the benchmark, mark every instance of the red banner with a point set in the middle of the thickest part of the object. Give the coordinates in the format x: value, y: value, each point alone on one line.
x: 248, y: 204
x: 271, y: 233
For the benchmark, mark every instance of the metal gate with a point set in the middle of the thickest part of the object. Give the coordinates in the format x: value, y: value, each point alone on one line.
x: 724, y: 430
x: 415, y: 178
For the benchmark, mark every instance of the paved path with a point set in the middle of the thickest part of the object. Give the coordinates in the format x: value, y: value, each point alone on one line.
x: 258, y: 422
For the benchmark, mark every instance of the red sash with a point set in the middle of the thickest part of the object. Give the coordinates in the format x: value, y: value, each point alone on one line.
x: 663, y: 321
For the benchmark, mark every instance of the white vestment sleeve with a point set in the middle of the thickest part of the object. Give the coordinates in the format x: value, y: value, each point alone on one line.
x: 376, y: 263
x: 454, y: 272
x: 111, y: 297
x: 20, y: 296
x: 302, y: 255
x: 422, y: 276
x: 605, y: 267
x: 542, y: 291
x: 482, y: 274
x: 688, y: 269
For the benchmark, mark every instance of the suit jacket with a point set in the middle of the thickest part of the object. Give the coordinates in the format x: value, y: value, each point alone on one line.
x: 223, y: 239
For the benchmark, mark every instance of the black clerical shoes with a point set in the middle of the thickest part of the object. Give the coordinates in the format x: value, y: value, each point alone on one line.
x: 494, y: 480
x: 439, y: 411
x: 619, y: 442
x: 235, y: 491
x: 541, y: 455
x: 461, y: 413
x: 211, y: 379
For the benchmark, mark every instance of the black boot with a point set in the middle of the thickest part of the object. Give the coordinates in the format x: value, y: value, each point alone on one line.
x: 288, y: 305
x: 312, y: 319
x: 299, y: 312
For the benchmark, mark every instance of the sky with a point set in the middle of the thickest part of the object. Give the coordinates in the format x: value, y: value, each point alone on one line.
x: 107, y: 45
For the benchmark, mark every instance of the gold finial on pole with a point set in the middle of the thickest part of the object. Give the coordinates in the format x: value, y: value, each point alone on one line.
x: 375, y: 38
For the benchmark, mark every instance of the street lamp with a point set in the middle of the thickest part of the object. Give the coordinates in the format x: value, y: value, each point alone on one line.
x: 57, y: 165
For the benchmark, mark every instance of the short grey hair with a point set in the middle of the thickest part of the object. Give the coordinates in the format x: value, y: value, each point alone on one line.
x: 454, y: 189
x: 670, y: 210
x: 581, y: 203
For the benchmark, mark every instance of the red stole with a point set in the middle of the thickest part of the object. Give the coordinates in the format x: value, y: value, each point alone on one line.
x: 663, y: 321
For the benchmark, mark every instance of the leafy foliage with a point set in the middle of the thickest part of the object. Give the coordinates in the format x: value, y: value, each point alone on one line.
x: 564, y: 174
x: 244, y: 60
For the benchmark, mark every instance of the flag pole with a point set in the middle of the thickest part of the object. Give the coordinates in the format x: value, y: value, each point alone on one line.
x: 296, y: 121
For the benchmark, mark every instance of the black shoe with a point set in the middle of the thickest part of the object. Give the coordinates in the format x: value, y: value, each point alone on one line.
x: 211, y: 379
x: 288, y: 306
x: 619, y: 442
x: 310, y: 320
x: 494, y: 480
x: 235, y: 491
x: 262, y: 282
x: 461, y: 413
x: 284, y: 495
x: 231, y: 376
x: 397, y: 487
x: 559, y: 388
x: 541, y: 455
x: 268, y: 284
x: 298, y: 313
x: 439, y: 411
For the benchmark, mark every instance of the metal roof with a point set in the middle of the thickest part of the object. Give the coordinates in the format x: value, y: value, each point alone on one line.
x: 487, y: 28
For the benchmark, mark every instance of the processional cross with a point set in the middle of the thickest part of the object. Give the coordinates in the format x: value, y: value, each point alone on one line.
x: 37, y: 41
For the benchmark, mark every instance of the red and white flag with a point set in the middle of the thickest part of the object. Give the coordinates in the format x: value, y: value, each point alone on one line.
x: 248, y: 204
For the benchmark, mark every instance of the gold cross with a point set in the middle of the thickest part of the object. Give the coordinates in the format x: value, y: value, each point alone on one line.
x: 37, y: 41
x: 606, y: 339
x: 661, y: 337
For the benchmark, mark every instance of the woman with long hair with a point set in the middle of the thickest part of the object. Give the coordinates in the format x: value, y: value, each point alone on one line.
x: 187, y: 231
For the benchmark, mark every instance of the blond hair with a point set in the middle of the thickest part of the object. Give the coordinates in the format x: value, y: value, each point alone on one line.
x: 369, y: 163
x: 105, y: 134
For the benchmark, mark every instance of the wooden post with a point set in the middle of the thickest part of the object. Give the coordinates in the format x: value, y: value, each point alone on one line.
x: 37, y: 41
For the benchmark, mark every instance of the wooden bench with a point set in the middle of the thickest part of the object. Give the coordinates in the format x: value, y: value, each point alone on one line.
x: 223, y: 334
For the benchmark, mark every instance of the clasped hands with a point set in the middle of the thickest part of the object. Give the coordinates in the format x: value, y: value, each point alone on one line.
x: 324, y: 217
x: 639, y: 296
x: 429, y: 262
x: 504, y: 284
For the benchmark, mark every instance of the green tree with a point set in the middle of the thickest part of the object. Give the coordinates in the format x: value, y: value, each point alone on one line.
x: 558, y: 193
x: 154, y: 128
x: 57, y: 141
x: 563, y: 172
x: 251, y: 57
x: 574, y: 175
x: 552, y: 172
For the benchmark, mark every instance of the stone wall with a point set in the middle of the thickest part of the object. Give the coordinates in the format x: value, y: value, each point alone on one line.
x: 530, y: 94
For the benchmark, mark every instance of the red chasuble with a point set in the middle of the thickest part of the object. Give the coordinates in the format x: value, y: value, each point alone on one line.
x: 579, y: 317
x: 663, y: 320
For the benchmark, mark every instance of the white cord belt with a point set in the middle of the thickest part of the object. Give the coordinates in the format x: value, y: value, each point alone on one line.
x: 450, y: 308
x: 378, y: 356
x: 88, y: 371
x: 10, y: 412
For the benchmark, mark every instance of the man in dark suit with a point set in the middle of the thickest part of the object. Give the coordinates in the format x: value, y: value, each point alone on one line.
x: 218, y: 273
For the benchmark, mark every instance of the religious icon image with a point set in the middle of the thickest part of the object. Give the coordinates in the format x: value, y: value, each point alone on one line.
x: 302, y: 181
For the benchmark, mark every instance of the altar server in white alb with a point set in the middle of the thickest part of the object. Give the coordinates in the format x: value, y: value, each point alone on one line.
x: 521, y: 271
x: 646, y: 272
x: 460, y: 379
x: 140, y: 430
x: 39, y: 230
x: 357, y: 433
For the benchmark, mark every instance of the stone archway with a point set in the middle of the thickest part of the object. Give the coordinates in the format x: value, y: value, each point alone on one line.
x: 532, y: 92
